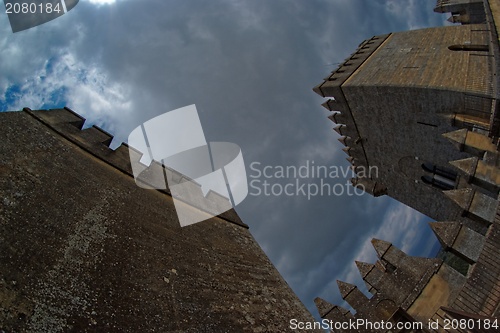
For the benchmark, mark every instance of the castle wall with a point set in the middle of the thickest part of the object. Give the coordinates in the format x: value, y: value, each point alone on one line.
x: 83, y: 248
x: 441, y: 290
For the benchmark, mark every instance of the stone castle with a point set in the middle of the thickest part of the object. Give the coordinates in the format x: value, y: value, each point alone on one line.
x: 423, y: 108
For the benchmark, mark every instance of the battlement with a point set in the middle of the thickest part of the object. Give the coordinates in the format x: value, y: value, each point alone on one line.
x: 405, y: 287
x: 84, y: 248
x: 395, y: 282
x: 342, y: 116
x: 332, y: 312
x: 370, y: 186
x: 331, y: 85
x: 96, y: 141
x: 463, y: 11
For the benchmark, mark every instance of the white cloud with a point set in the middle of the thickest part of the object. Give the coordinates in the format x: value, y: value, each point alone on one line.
x: 87, y: 90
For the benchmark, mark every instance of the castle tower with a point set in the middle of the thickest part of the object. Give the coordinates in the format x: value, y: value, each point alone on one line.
x: 83, y: 248
x: 395, y: 97
x: 419, y: 115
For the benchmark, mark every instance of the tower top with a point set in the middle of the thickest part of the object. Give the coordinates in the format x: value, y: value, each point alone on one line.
x: 380, y: 247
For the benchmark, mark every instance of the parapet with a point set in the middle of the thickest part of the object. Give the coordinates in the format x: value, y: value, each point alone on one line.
x: 395, y: 282
x: 369, y: 185
x: 463, y: 11
x: 96, y: 141
x: 85, y: 249
x: 478, y: 198
x: 331, y: 86
x: 332, y: 312
x: 459, y: 239
x: 342, y: 116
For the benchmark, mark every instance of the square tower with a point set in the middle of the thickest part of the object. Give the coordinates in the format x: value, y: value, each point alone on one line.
x: 395, y: 97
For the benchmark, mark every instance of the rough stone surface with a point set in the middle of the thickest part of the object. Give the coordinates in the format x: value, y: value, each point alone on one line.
x: 364, y: 268
x: 446, y: 232
x: 432, y: 84
x: 84, y: 249
x: 323, y: 306
x: 469, y: 244
x: 380, y: 246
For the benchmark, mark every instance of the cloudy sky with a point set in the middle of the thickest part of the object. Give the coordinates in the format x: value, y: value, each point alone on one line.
x: 249, y: 66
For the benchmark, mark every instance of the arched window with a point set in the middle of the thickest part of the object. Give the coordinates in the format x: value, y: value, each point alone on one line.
x: 442, y: 178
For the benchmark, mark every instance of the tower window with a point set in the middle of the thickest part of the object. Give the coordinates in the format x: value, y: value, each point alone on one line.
x: 441, y: 178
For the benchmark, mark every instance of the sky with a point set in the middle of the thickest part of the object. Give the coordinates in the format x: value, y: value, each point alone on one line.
x: 249, y: 66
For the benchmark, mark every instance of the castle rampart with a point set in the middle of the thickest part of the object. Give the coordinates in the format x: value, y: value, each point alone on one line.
x: 84, y: 249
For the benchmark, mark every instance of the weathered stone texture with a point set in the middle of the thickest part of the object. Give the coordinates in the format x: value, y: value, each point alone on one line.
x: 481, y: 293
x: 83, y: 248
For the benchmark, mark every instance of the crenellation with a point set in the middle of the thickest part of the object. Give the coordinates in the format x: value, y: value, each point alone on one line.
x: 127, y: 238
x: 479, y: 173
x: 474, y: 204
x: 332, y: 312
x: 95, y: 141
x: 457, y: 238
x: 339, y: 314
x: 354, y: 297
x: 341, y: 118
x: 339, y: 128
x: 331, y: 85
x: 364, y: 268
x: 396, y: 286
x: 333, y: 117
x: 370, y: 186
x: 390, y: 285
x: 446, y: 232
x: 347, y: 150
x: 462, y: 11
x: 334, y: 105
x: 323, y: 306
x: 58, y: 116
x: 413, y: 268
x: 371, y: 275
x: 94, y: 136
x: 345, y: 140
x: 357, y: 153
x: 380, y: 246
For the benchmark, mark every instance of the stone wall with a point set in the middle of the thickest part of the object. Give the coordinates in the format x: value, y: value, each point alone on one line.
x: 84, y: 249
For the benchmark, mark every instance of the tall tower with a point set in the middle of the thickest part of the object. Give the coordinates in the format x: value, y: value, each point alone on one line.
x: 395, y: 97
